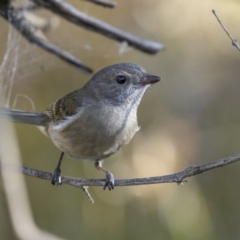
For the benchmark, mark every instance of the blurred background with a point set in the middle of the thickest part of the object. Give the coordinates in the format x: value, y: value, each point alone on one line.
x: 191, y: 117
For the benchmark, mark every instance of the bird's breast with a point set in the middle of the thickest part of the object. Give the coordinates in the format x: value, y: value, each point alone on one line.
x: 97, y: 133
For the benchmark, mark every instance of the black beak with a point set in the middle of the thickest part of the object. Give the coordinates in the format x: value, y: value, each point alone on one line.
x: 150, y: 79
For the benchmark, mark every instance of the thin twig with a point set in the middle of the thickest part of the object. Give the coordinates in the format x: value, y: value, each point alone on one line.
x: 85, y: 190
x: 103, y: 3
x: 82, y: 19
x: 28, y: 30
x: 234, y: 41
x: 176, y: 177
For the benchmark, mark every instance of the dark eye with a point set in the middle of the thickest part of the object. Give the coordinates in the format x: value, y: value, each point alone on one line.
x: 121, y: 79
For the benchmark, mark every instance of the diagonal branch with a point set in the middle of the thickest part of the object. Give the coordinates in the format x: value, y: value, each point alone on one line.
x: 176, y: 177
x: 28, y: 30
x: 103, y: 3
x: 234, y: 41
x: 82, y: 19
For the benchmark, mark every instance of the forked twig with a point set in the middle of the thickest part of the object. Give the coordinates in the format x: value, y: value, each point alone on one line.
x: 28, y: 30
x: 82, y: 19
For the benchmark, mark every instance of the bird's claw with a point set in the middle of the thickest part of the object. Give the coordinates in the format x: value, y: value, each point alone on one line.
x: 56, y: 177
x: 109, y: 182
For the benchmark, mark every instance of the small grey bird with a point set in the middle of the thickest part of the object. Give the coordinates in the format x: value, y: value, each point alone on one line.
x: 95, y: 121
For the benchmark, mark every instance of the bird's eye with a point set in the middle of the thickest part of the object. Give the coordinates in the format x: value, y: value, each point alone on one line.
x: 121, y: 79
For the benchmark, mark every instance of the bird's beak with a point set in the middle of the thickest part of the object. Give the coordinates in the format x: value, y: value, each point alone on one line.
x: 150, y: 79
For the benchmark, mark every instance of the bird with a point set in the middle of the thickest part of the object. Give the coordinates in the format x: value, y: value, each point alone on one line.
x: 95, y: 121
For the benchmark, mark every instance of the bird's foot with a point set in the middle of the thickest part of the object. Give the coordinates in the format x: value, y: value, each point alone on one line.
x: 109, y: 182
x: 56, y: 177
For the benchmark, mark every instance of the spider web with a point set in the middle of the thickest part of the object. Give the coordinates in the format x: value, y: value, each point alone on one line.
x: 21, y: 61
x: 18, y: 63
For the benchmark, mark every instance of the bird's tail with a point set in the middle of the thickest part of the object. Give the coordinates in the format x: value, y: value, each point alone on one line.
x: 34, y: 118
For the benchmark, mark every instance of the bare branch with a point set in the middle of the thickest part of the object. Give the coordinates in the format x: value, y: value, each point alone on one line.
x: 234, y: 41
x: 103, y: 3
x: 28, y: 30
x: 176, y: 177
x: 82, y: 19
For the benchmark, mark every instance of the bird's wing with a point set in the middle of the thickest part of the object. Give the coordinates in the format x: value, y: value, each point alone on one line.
x: 65, y: 110
x: 65, y: 107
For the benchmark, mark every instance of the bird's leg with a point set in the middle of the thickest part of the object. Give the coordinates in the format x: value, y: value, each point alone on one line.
x: 56, y: 176
x: 109, y: 182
